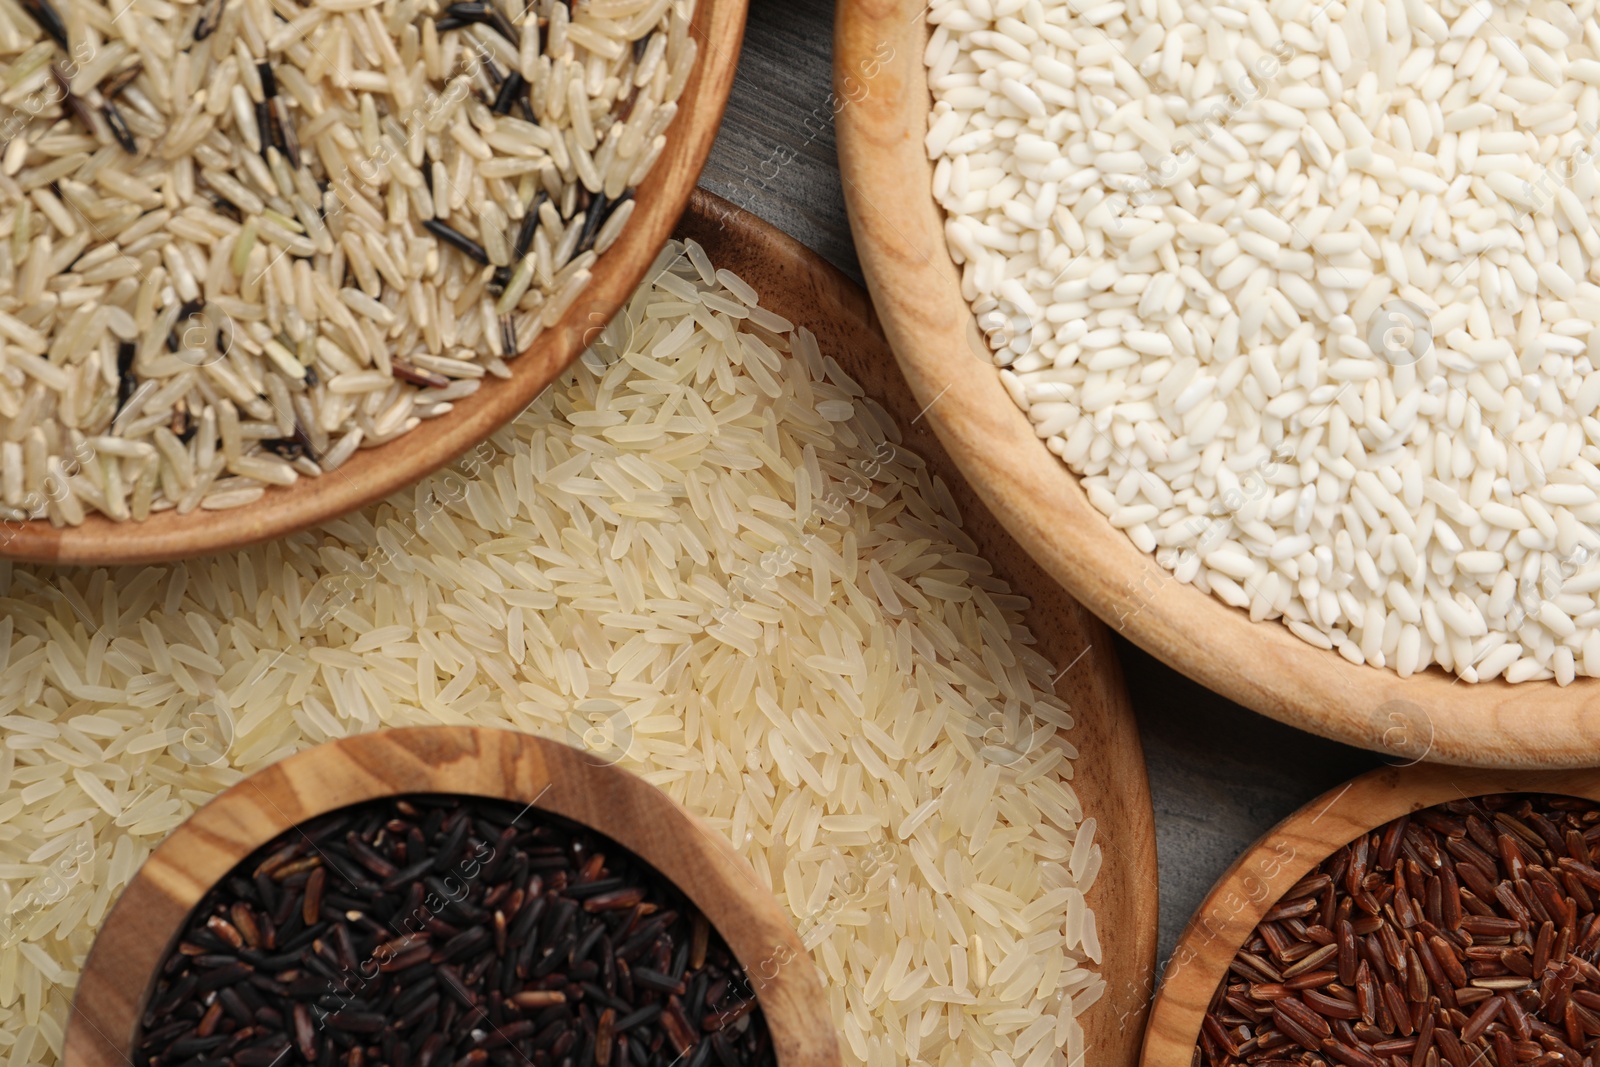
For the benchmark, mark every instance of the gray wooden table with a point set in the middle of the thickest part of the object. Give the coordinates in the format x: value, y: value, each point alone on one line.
x: 1220, y: 775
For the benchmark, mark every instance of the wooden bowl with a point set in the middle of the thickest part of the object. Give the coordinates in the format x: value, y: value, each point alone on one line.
x: 372, y: 474
x: 881, y: 81
x: 1109, y: 777
x: 121, y: 969
x: 1283, y: 855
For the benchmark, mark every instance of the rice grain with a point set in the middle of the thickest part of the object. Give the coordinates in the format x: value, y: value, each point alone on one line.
x: 766, y: 639
x: 254, y: 161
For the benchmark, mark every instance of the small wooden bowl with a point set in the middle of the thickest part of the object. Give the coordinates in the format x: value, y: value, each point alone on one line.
x: 372, y: 474
x: 881, y: 81
x: 1110, y: 776
x: 121, y: 969
x: 1283, y: 855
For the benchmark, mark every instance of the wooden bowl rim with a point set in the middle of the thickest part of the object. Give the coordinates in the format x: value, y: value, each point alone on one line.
x: 898, y: 229
x: 543, y: 774
x: 374, y: 473
x: 1253, y: 883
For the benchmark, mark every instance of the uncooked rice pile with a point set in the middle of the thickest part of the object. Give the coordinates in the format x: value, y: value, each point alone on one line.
x: 1306, y: 293
x: 241, y: 239
x: 711, y: 563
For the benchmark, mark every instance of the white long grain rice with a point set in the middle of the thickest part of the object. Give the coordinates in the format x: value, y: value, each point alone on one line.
x: 679, y: 562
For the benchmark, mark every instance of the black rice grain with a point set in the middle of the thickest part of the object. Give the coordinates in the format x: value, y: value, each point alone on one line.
x: 455, y: 238
x: 450, y: 932
x: 49, y: 19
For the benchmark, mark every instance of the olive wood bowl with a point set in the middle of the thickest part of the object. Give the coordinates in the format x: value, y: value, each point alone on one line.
x: 138, y: 933
x: 881, y: 83
x: 1285, y: 854
x: 373, y: 473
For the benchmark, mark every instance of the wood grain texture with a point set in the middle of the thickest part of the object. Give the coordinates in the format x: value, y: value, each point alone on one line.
x: 1281, y: 857
x: 374, y: 473
x: 474, y: 762
x: 1109, y: 776
x: 775, y: 154
x: 900, y: 239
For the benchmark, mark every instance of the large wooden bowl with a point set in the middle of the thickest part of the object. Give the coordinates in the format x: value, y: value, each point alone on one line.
x: 1109, y: 776
x: 121, y: 969
x: 1249, y: 888
x: 881, y: 80
x: 372, y: 474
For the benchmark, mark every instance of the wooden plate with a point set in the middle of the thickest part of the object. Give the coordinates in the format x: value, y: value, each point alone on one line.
x: 1109, y: 776
x: 881, y: 81
x: 372, y: 474
x: 446, y: 759
x: 1286, y: 853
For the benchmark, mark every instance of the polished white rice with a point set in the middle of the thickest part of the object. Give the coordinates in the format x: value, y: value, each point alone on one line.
x: 707, y: 559
x: 1306, y: 294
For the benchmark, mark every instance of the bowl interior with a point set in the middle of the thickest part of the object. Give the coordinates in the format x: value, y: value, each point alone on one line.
x: 1285, y: 854
x: 374, y: 473
x: 1109, y: 777
x: 899, y: 233
x: 145, y: 922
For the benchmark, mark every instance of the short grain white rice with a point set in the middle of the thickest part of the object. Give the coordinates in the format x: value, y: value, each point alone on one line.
x: 1305, y: 293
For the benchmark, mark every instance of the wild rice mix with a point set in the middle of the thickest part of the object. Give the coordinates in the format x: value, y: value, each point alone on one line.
x: 704, y: 555
x: 1461, y: 935
x: 244, y: 238
x: 432, y: 931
